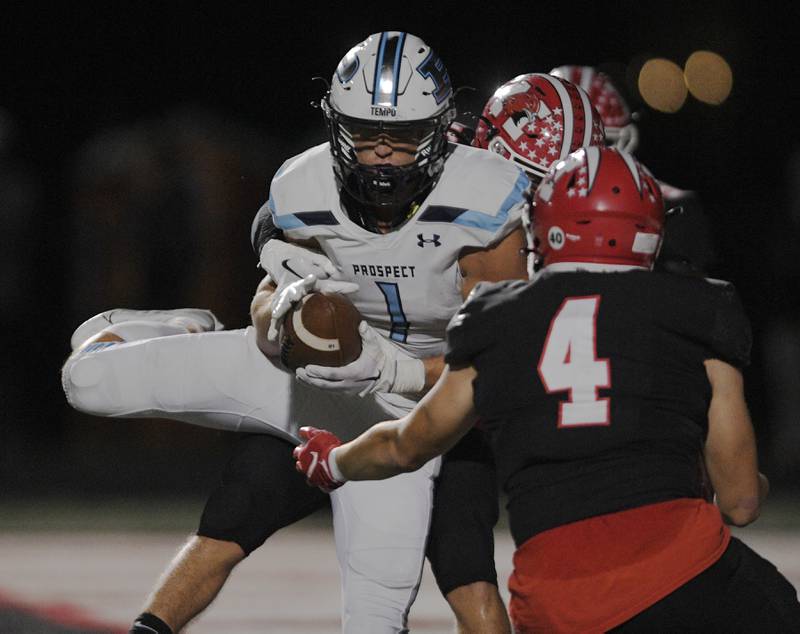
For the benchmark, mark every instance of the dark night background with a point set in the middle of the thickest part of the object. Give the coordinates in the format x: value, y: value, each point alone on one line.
x: 138, y: 143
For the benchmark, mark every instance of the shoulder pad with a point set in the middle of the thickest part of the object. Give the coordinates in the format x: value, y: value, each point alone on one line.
x: 296, y: 185
x: 479, y: 192
x: 731, y: 336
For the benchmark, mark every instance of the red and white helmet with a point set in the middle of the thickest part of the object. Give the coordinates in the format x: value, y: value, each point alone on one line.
x: 621, y: 131
x: 598, y: 205
x: 537, y: 119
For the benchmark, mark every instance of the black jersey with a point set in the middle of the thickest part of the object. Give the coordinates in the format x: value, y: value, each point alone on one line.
x: 594, y: 386
x: 688, y: 245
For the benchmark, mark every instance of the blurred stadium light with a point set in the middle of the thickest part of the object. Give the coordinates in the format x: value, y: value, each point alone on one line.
x: 661, y: 85
x: 708, y: 77
x: 664, y: 86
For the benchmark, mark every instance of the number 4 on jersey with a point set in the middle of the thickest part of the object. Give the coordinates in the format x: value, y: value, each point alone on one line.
x: 569, y: 362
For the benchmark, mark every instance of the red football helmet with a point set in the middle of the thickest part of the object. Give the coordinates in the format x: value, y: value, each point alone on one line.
x: 621, y: 132
x: 597, y: 205
x: 536, y: 119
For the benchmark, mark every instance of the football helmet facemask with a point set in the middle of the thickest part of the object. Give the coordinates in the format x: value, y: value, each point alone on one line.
x: 598, y: 205
x: 621, y: 131
x: 536, y: 119
x: 390, y: 96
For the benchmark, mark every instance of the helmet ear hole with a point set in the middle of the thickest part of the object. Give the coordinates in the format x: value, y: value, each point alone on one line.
x: 612, y: 242
x: 615, y: 189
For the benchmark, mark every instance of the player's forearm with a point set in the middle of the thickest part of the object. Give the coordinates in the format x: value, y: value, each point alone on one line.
x: 390, y: 448
x: 739, y: 497
x: 434, y: 366
x: 260, y: 315
x: 440, y: 419
x: 376, y: 454
x: 738, y: 486
x: 731, y: 455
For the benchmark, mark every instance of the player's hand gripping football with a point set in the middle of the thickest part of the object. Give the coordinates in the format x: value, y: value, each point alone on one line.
x: 314, y: 458
x: 382, y: 367
x: 286, y: 263
x: 287, y: 296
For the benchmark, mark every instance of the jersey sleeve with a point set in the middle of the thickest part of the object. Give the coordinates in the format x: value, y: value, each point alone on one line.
x: 688, y: 244
x: 476, y: 325
x: 303, y: 194
x: 730, y: 337
x: 480, y: 196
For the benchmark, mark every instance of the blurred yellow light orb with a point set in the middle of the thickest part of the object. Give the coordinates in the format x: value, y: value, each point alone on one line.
x: 709, y: 77
x: 661, y: 85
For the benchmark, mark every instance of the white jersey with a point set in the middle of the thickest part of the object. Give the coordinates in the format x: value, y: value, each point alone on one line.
x: 409, y: 279
x: 409, y: 289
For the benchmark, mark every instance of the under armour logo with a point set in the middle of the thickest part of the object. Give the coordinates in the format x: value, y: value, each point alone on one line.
x: 422, y: 240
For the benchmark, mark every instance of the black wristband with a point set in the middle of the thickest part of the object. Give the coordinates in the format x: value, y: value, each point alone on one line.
x: 147, y: 623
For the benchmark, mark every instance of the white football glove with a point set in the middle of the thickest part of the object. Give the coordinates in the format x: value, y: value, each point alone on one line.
x: 288, y: 295
x: 286, y: 263
x: 382, y: 367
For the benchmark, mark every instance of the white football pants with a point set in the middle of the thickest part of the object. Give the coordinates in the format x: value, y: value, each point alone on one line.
x: 223, y: 381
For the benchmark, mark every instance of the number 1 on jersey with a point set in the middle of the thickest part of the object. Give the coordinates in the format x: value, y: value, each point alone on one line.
x: 569, y: 363
x: 400, y: 325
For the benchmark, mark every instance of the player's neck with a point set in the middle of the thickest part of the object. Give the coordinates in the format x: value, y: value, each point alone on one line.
x: 379, y: 218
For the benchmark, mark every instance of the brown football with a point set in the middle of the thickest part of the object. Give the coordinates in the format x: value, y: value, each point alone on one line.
x: 321, y: 330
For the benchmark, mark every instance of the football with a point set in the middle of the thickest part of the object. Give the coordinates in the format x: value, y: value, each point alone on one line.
x: 321, y: 330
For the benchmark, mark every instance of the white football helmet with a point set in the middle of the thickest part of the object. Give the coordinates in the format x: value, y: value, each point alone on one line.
x: 621, y: 131
x: 391, y: 87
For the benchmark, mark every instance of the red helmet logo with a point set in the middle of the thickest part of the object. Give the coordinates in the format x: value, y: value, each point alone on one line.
x: 536, y: 119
